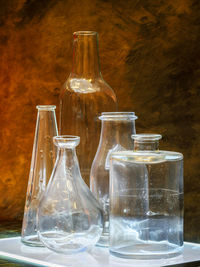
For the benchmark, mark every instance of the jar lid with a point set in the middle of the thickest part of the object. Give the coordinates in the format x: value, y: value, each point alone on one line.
x: 118, y: 116
x: 46, y: 107
x: 146, y: 156
x: 141, y: 157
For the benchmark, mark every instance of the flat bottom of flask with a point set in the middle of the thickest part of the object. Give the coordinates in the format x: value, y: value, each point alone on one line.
x: 147, y: 251
x: 32, y: 241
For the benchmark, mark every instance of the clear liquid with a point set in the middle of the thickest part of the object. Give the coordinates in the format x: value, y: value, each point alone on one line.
x: 146, y: 218
x: 153, y: 229
x: 148, y: 237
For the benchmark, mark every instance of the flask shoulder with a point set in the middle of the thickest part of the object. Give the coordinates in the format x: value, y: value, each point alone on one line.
x: 89, y: 198
x: 107, y: 89
x: 83, y: 85
x: 65, y: 87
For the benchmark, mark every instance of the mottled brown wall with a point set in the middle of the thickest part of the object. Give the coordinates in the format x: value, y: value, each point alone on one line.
x: 150, y: 55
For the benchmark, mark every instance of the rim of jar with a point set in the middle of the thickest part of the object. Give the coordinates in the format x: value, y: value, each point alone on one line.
x: 161, y: 154
x: 124, y: 115
x: 146, y: 137
x: 67, y: 141
x: 84, y: 33
x: 46, y: 107
x: 138, y: 156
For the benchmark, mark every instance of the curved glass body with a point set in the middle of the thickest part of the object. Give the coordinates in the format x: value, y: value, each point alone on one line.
x: 69, y: 217
x: 116, y: 131
x: 43, y: 158
x: 146, y: 201
x: 83, y: 97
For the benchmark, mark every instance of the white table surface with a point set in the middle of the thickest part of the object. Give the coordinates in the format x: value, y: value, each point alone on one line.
x: 12, y: 248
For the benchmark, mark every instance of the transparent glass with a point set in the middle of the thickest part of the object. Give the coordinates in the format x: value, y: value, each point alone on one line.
x: 83, y: 97
x: 42, y: 162
x: 116, y: 131
x: 146, y: 202
x: 146, y: 141
x: 70, y: 219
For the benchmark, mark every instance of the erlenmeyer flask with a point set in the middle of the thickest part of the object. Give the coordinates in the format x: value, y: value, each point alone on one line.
x: 69, y: 216
x: 43, y: 157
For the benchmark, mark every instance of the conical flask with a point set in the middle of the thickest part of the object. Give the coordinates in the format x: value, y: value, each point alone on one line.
x: 43, y: 158
x: 69, y: 216
x: 87, y: 95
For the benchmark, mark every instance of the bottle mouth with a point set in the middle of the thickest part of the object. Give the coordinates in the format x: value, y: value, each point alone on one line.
x: 146, y: 137
x: 85, y: 33
x: 46, y: 107
x: 115, y: 116
x: 67, y: 141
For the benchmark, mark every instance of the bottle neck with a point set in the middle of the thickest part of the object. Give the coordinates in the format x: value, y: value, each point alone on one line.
x: 146, y: 145
x: 68, y: 158
x: 117, y: 132
x: 85, y: 56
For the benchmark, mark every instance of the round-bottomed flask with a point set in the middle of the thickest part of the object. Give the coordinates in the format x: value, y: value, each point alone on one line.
x: 146, y: 201
x: 42, y: 162
x: 116, y: 131
x: 69, y: 216
x: 83, y: 97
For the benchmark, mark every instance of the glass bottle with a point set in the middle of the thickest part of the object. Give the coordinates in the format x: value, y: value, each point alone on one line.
x: 69, y: 216
x: 83, y: 97
x: 116, y: 131
x: 43, y: 157
x: 146, y: 201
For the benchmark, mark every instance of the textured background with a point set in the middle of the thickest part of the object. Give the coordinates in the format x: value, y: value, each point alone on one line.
x: 150, y: 55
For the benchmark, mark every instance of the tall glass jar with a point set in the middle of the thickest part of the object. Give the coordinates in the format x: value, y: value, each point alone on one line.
x: 146, y: 201
x: 116, y: 131
x: 83, y: 97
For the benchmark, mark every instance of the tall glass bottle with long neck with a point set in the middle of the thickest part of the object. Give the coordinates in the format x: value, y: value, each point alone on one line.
x: 83, y: 97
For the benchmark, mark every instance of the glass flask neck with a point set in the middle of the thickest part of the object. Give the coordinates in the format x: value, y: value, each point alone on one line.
x: 148, y: 142
x: 85, y: 55
x: 66, y: 151
x: 68, y: 157
x: 116, y: 126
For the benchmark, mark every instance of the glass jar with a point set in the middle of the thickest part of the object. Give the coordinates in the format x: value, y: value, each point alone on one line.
x: 146, y: 201
x: 116, y: 131
x: 69, y: 216
x: 83, y: 97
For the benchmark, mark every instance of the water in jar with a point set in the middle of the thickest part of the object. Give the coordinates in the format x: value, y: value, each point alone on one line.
x: 146, y: 200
